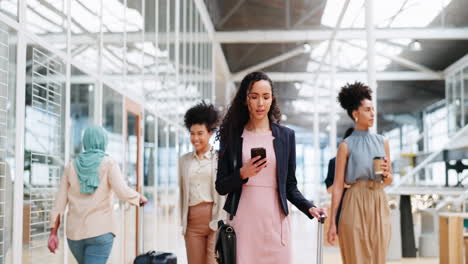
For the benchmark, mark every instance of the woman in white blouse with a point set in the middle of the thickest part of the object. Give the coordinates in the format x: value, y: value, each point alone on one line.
x: 200, y: 204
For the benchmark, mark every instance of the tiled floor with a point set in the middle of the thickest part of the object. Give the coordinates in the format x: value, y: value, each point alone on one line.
x: 304, y: 244
x: 166, y: 233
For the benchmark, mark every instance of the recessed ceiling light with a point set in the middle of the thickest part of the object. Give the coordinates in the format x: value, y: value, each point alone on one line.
x: 415, y: 45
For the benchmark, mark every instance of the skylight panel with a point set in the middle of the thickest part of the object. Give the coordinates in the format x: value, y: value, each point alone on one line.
x: 416, y: 13
x: 113, y: 15
x: 45, y: 18
x: 86, y: 19
x: 134, y: 20
x: 10, y: 7
x: 394, y: 13
x: 44, y: 25
x: 354, y: 15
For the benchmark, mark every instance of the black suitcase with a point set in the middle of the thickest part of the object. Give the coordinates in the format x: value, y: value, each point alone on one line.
x: 153, y: 257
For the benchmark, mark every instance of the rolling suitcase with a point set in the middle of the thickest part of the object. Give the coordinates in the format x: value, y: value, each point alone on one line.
x: 320, y: 240
x: 153, y: 257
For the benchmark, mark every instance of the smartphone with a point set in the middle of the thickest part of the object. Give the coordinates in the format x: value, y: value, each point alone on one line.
x: 255, y: 152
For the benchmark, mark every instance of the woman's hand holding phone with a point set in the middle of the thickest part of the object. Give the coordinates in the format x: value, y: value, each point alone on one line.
x: 253, y: 167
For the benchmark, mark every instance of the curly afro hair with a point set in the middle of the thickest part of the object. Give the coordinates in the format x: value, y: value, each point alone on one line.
x: 351, y: 96
x: 202, y: 113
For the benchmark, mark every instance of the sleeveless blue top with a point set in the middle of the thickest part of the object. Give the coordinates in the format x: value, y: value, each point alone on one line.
x: 363, y: 146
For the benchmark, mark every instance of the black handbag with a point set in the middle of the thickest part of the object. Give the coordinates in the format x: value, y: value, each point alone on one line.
x: 225, y: 248
x: 153, y: 257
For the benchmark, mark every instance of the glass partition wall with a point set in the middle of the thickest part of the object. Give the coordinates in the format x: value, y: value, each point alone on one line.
x: 456, y: 85
x: 80, y: 62
x: 8, y: 96
x: 44, y: 147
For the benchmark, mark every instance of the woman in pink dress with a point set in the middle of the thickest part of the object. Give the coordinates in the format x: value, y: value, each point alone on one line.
x: 258, y: 189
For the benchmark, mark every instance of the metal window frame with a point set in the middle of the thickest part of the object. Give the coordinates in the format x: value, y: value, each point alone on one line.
x: 24, y: 34
x: 20, y: 121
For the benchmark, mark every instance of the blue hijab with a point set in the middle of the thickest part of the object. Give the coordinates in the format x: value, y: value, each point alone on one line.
x: 87, y: 163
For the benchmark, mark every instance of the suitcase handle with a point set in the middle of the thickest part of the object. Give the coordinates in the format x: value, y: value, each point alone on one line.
x: 322, y: 219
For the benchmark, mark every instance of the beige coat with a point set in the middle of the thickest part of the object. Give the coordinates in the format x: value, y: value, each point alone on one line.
x: 91, y: 215
x: 218, y: 212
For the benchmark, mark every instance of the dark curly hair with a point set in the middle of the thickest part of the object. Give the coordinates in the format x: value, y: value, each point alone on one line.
x: 348, y: 132
x: 237, y: 115
x: 351, y: 96
x: 202, y: 113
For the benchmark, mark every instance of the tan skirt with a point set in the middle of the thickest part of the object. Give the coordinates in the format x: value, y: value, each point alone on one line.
x: 365, y: 224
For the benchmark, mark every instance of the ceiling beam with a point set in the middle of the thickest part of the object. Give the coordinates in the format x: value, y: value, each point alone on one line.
x: 287, y: 14
x: 230, y: 13
x: 458, y: 65
x: 267, y: 36
x: 335, y: 31
x: 272, y: 61
x: 118, y: 78
x: 310, y: 14
x: 218, y: 51
x: 117, y: 37
x: 285, y: 36
x: 400, y: 60
x: 351, y: 76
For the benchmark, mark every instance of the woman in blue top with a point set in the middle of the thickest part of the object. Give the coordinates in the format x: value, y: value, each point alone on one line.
x: 365, y: 218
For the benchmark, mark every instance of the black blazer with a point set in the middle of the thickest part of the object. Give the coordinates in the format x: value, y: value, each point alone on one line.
x: 228, y: 180
x: 331, y: 173
x: 329, y: 182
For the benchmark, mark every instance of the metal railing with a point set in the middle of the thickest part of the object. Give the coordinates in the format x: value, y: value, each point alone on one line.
x: 428, y: 160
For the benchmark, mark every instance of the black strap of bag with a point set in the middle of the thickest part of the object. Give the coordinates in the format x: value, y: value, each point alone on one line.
x: 225, y: 248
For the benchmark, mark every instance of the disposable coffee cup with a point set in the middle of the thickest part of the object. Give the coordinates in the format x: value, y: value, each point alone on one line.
x: 378, y: 165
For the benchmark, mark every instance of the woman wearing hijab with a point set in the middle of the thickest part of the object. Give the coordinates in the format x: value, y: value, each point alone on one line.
x: 87, y: 187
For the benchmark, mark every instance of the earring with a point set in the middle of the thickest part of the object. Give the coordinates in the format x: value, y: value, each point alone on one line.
x: 356, y: 119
